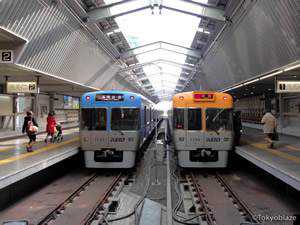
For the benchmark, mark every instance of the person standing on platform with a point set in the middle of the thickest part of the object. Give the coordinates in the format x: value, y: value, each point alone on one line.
x: 51, y: 126
x: 30, y: 126
x: 269, y: 127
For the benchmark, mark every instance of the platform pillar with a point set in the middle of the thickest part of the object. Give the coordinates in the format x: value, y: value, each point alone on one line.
x: 51, y: 101
x: 281, y: 118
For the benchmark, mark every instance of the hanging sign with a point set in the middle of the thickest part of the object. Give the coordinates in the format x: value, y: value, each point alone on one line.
x: 21, y: 87
x: 288, y: 86
x: 6, y: 56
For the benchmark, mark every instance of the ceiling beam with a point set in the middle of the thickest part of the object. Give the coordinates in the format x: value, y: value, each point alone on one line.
x: 103, y: 12
x: 214, y: 14
x: 155, y: 62
x: 159, y: 74
x: 161, y: 45
x: 99, y: 14
x: 107, y: 6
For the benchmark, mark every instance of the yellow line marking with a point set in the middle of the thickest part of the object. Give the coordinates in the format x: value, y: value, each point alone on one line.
x: 5, y: 149
x: 43, y: 149
x: 15, y: 146
x: 276, y: 152
x: 293, y: 147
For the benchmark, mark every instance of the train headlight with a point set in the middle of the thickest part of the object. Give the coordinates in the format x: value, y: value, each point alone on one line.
x: 181, y: 97
x: 87, y: 98
x: 131, y: 97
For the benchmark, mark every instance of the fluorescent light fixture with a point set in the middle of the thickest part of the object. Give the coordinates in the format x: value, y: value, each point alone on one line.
x: 201, y: 30
x: 292, y: 67
x: 251, y: 81
x: 271, y: 75
x: 240, y: 85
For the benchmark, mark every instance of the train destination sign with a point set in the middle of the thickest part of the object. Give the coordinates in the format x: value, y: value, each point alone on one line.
x: 288, y: 86
x: 109, y: 97
x: 21, y: 87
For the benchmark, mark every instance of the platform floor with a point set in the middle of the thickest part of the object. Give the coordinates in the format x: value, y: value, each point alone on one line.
x: 16, y: 163
x: 282, y: 162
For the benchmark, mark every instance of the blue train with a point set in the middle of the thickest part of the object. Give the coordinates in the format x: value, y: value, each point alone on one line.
x: 114, y: 125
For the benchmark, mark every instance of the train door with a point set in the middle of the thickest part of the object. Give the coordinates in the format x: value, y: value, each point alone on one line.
x: 145, y: 123
x: 179, y: 128
x: 194, y: 132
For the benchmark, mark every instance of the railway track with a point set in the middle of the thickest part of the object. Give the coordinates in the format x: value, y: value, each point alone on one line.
x: 83, y: 205
x: 215, y: 201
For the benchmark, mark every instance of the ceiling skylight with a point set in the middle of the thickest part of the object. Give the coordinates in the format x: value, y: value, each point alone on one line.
x: 144, y: 27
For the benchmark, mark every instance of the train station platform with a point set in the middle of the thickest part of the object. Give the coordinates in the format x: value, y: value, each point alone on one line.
x: 6, y: 134
x: 283, y: 161
x: 291, y: 131
x: 16, y: 163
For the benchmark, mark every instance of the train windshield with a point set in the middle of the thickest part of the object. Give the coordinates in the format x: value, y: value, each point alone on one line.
x: 125, y: 119
x: 93, y: 119
x: 218, y: 119
x: 194, y: 119
x: 178, y: 118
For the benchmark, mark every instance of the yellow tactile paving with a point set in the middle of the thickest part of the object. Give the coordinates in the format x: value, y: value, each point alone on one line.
x: 292, y: 147
x: 43, y: 149
x: 275, y: 152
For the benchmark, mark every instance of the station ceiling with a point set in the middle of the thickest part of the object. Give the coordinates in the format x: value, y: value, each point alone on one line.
x: 160, y: 41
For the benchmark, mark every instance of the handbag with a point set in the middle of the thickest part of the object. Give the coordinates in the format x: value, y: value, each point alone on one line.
x: 275, y: 136
x: 31, y: 128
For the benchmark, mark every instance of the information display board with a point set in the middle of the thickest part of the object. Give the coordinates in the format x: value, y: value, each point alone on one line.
x: 21, y: 87
x: 288, y: 86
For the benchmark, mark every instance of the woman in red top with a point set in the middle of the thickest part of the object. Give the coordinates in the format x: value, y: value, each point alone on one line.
x: 51, y: 126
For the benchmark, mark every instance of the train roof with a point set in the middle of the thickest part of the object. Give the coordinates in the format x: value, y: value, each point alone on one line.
x: 188, y: 99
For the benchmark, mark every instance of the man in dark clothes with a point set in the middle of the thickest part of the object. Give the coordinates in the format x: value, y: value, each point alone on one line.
x: 237, y: 127
x: 30, y: 127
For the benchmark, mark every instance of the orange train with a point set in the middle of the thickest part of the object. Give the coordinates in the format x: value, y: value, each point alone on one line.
x: 202, y: 128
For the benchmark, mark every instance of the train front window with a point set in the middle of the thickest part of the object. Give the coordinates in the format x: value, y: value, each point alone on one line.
x: 125, y: 119
x: 93, y: 119
x: 218, y: 119
x: 194, y: 119
x: 178, y: 118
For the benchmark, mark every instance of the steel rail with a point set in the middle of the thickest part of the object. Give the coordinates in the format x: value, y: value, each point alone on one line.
x: 237, y: 199
x: 207, y: 211
x: 93, y: 213
x: 57, y: 211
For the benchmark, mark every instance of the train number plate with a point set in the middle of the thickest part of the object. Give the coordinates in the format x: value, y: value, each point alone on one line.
x: 204, y: 155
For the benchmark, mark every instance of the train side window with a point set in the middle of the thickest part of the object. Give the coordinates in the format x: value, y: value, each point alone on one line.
x: 194, y: 119
x: 178, y: 118
x: 93, y: 119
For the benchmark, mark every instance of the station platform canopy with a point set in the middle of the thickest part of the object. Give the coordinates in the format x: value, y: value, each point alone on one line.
x: 161, y: 41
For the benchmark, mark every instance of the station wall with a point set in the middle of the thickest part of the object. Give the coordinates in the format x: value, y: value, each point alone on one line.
x: 264, y: 35
x: 66, y: 116
x: 253, y: 108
